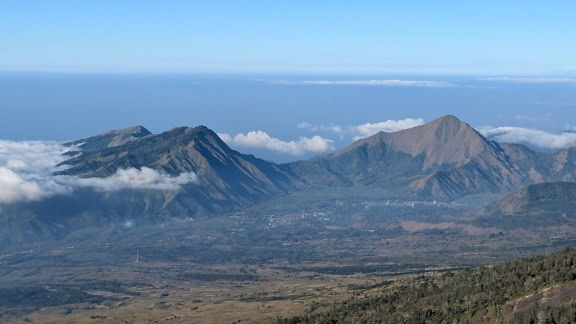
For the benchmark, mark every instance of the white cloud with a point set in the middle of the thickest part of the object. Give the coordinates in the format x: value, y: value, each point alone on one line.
x: 529, y: 136
x: 26, y: 187
x: 389, y: 126
x: 260, y: 139
x: 374, y: 83
x: 363, y: 130
x: 132, y: 178
x: 545, y: 117
x: 320, y: 128
x: 531, y: 80
x: 26, y: 170
x: 27, y: 174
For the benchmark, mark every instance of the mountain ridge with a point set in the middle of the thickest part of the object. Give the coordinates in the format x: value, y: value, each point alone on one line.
x: 445, y: 158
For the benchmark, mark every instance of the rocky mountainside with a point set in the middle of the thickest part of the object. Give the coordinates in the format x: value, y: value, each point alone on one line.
x: 224, y: 174
x: 110, y: 139
x: 542, y: 200
x: 445, y: 158
x: 548, y: 207
x: 226, y: 180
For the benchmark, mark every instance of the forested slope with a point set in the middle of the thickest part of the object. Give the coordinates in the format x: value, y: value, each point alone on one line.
x: 535, y: 290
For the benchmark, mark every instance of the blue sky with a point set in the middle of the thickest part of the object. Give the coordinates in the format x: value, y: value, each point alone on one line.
x: 400, y: 37
x: 288, y: 80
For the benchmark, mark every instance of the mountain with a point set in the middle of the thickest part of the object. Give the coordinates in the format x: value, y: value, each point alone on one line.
x: 542, y: 209
x: 110, y: 139
x: 226, y: 175
x: 226, y: 180
x: 545, y: 201
x: 445, y: 158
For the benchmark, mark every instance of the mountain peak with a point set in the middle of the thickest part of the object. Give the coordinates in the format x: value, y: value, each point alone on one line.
x: 111, y: 138
x: 448, y: 118
x: 441, y: 141
x: 136, y: 131
x: 447, y: 127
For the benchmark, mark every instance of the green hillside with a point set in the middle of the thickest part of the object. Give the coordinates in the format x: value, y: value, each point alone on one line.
x: 536, y: 290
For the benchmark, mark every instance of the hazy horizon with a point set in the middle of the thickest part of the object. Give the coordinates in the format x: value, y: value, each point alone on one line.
x: 287, y: 108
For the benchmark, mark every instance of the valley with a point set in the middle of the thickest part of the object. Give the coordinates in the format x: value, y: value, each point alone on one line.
x: 177, y: 227
x: 280, y: 258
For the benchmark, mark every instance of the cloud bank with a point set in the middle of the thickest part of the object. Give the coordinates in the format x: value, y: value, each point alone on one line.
x: 388, y: 126
x: 373, y: 83
x: 531, y: 80
x: 27, y: 174
x: 364, y: 130
x: 260, y: 139
x: 529, y: 136
x: 132, y: 178
x: 26, y: 170
x: 320, y: 128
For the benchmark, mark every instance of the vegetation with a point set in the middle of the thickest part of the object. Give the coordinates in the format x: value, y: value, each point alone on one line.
x: 478, y: 295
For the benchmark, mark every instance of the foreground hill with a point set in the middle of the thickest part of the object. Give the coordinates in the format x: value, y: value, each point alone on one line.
x: 535, y: 290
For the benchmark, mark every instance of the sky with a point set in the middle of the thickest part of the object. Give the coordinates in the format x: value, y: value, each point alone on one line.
x: 287, y: 80
x: 386, y: 37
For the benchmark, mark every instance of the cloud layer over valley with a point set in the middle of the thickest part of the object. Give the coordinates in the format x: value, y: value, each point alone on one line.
x: 27, y: 174
x: 260, y: 139
x: 366, y: 129
x: 529, y: 136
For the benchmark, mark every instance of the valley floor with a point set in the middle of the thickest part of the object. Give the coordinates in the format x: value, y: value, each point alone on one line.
x: 296, y: 255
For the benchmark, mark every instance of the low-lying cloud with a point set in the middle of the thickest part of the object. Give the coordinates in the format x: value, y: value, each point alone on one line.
x: 24, y: 187
x: 27, y: 174
x: 26, y: 170
x: 321, y: 128
x: 373, y: 83
x: 132, y: 178
x: 389, y: 126
x: 535, y: 137
x: 260, y: 139
x: 364, y: 130
x: 532, y: 80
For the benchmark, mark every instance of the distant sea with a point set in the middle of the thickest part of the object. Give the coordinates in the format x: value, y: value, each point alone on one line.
x: 70, y: 106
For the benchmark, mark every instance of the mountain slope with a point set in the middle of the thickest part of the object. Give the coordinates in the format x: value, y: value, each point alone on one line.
x: 541, y: 200
x: 227, y: 173
x: 536, y: 290
x: 227, y: 180
x: 445, y: 158
x: 110, y: 139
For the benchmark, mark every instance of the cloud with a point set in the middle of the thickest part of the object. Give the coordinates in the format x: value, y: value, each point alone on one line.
x: 26, y: 170
x: 530, y: 136
x: 389, y: 126
x: 260, y: 139
x: 373, y: 83
x: 531, y: 80
x: 24, y: 187
x: 543, y: 118
x: 132, y: 178
x: 27, y: 174
x: 320, y: 128
x: 364, y: 130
